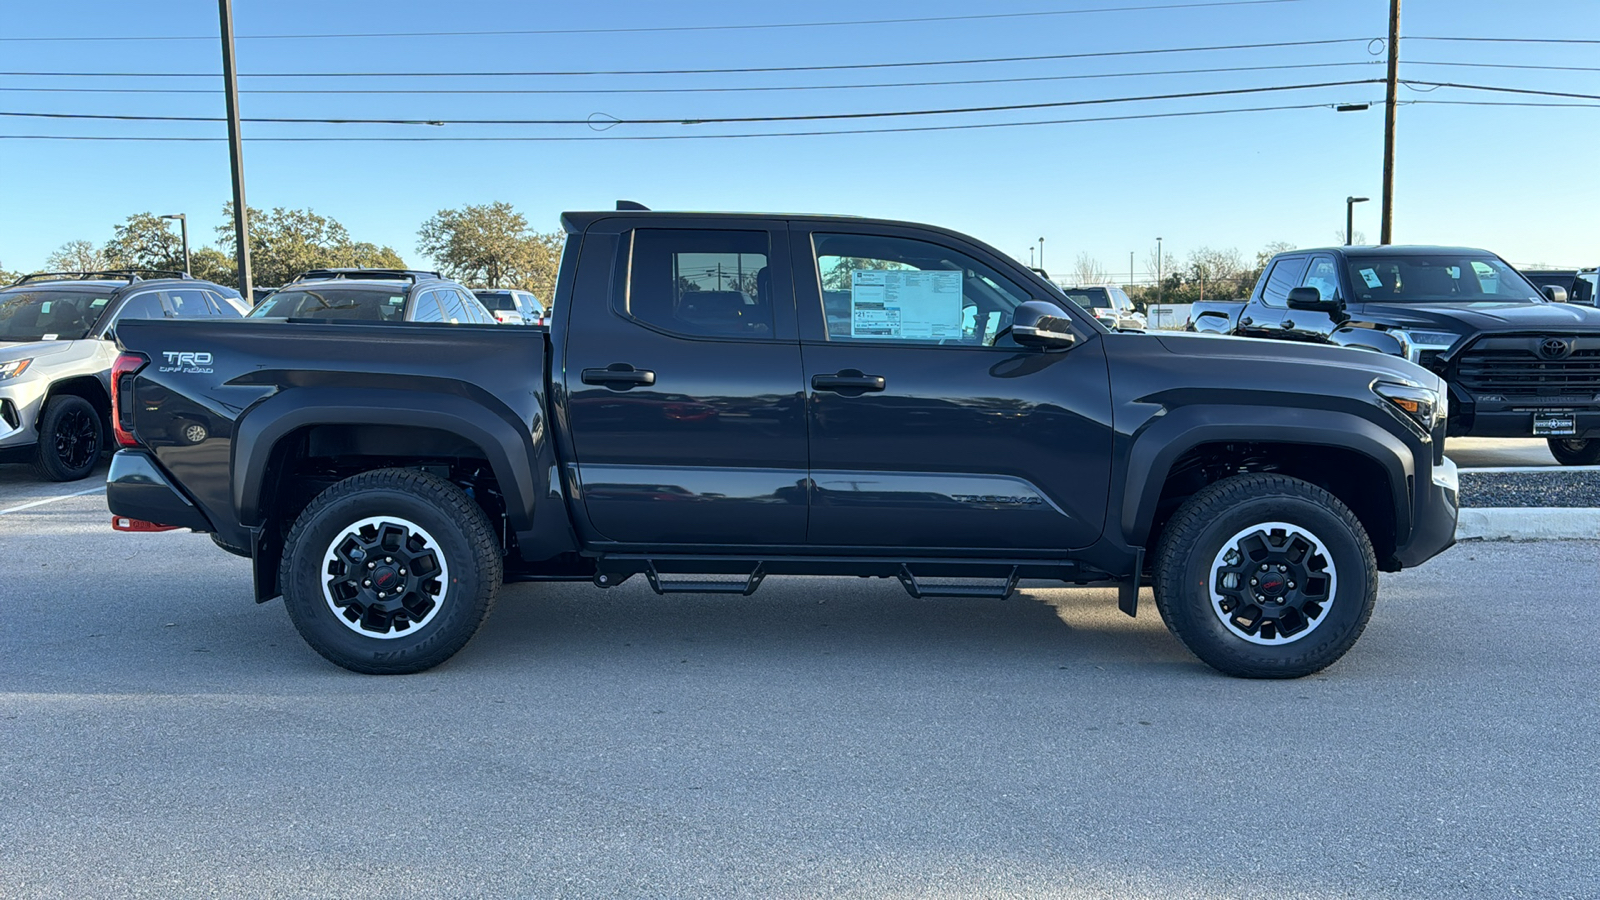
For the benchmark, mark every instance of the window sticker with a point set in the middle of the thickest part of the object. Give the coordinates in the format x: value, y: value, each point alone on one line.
x: 1371, y: 278
x: 905, y: 304
x: 44, y: 308
x: 49, y: 337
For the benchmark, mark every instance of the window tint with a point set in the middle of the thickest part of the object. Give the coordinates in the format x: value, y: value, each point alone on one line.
x: 701, y: 283
x: 894, y: 289
x: 29, y: 315
x: 1284, y: 275
x: 189, y: 303
x: 1323, y: 274
x: 143, y: 306
x: 1089, y: 298
x: 452, y: 306
x: 426, y: 308
x: 375, y: 304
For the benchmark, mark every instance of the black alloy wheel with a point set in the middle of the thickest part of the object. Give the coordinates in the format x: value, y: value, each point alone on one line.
x: 390, y: 571
x: 1575, y: 451
x: 1265, y: 576
x: 71, y: 436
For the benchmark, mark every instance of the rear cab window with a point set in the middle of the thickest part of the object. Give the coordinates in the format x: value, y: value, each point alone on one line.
x: 700, y: 283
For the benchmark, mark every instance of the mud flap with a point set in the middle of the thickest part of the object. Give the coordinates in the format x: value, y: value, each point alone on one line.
x: 1128, y: 589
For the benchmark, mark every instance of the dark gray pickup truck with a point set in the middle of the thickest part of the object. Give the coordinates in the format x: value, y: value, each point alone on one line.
x: 721, y: 398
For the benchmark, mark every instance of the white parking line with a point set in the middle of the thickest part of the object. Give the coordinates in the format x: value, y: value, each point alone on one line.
x: 6, y: 512
x: 1514, y: 470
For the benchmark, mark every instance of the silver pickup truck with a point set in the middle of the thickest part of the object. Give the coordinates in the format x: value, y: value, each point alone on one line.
x: 57, y: 344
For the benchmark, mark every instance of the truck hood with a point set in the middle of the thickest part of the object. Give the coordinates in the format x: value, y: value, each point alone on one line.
x: 1471, y: 318
x: 10, y: 350
x: 1389, y: 368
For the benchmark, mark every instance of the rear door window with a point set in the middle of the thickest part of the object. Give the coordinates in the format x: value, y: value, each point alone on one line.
x: 189, y: 303
x: 701, y: 283
x: 426, y: 308
x: 143, y: 306
x: 453, y: 313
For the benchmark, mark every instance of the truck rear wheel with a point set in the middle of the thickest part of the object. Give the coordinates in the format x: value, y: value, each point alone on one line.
x: 71, y: 436
x: 1266, y: 576
x: 390, y: 571
x: 1575, y: 452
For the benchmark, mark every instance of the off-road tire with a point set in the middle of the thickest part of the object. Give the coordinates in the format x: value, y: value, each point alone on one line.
x: 454, y: 526
x: 1199, y: 535
x: 72, y: 435
x: 1571, y: 452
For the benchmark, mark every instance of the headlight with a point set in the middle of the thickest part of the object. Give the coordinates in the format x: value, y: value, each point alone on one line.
x: 1427, y: 340
x: 14, y: 368
x: 1426, y: 407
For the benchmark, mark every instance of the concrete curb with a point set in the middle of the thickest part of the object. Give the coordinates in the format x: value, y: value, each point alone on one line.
x: 1543, y: 523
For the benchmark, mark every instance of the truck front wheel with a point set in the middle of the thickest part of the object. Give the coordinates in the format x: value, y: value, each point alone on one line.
x: 1575, y: 452
x: 1265, y: 576
x: 390, y: 571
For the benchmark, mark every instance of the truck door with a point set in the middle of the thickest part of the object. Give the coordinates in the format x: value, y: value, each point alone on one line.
x: 930, y: 429
x: 1263, y: 315
x: 682, y: 372
x: 1305, y: 325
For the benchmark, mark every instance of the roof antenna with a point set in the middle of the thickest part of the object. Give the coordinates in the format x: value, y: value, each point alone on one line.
x: 631, y: 206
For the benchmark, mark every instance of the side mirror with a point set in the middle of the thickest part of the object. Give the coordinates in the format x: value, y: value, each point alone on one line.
x: 1040, y: 324
x: 1310, y: 299
x: 1555, y: 293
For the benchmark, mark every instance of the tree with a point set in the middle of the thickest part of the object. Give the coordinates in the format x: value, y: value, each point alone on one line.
x: 145, y: 241
x: 77, y: 256
x: 492, y: 245
x: 211, y: 264
x: 287, y: 242
x: 1086, y: 270
x: 8, y: 277
x: 838, y: 276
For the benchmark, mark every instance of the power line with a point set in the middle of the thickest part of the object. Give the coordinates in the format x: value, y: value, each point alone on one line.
x: 1499, y: 90
x: 1525, y: 103
x: 667, y: 137
x: 698, y: 90
x: 725, y: 71
x: 1482, y: 65
x: 596, y: 121
x: 664, y: 28
x: 1502, y: 40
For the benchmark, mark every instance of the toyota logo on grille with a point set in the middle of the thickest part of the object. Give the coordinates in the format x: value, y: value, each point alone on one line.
x: 1555, y: 348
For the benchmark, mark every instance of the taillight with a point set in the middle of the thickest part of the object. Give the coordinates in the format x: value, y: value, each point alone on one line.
x: 123, y: 523
x: 122, y: 372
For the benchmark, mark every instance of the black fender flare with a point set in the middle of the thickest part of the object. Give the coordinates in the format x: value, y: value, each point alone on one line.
x: 1167, y: 437
x: 506, y: 443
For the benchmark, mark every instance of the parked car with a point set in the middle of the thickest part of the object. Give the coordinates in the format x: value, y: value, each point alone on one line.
x: 374, y: 295
x: 512, y: 307
x: 56, y: 349
x: 701, y: 414
x: 1577, y: 284
x: 1111, y: 305
x: 1518, y: 363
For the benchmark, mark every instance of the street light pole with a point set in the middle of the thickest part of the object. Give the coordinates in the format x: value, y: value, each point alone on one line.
x: 241, y: 212
x: 183, y: 223
x: 1350, y: 218
x: 1041, y: 253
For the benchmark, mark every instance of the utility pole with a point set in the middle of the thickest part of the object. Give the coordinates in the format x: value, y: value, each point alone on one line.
x: 1161, y: 289
x: 1041, y: 253
x: 241, y: 212
x: 1130, y: 268
x: 1388, y: 123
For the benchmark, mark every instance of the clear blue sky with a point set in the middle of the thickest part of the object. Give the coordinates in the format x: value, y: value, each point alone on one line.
x: 1519, y: 180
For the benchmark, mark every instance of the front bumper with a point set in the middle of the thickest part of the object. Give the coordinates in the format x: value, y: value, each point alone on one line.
x: 1435, y: 508
x: 1513, y: 417
x: 20, y: 403
x: 137, y: 488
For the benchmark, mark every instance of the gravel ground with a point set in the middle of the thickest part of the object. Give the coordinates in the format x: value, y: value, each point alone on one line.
x: 1525, y: 489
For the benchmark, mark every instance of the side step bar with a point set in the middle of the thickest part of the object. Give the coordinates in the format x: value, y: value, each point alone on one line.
x: 916, y: 589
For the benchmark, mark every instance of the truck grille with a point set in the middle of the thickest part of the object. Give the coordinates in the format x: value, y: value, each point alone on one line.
x: 1565, y: 366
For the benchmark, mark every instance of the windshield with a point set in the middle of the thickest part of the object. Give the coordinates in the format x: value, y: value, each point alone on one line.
x: 41, y: 315
x: 1089, y: 298
x: 498, y: 301
x: 366, y: 302
x: 1436, y: 277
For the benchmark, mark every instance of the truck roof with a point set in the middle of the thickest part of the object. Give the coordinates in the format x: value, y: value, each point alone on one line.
x: 576, y: 222
x: 1390, y: 250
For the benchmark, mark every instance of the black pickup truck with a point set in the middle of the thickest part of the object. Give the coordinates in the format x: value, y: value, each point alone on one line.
x: 720, y: 398
x: 1519, y: 362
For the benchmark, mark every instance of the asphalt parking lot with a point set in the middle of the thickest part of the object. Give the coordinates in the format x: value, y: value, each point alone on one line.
x: 162, y: 735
